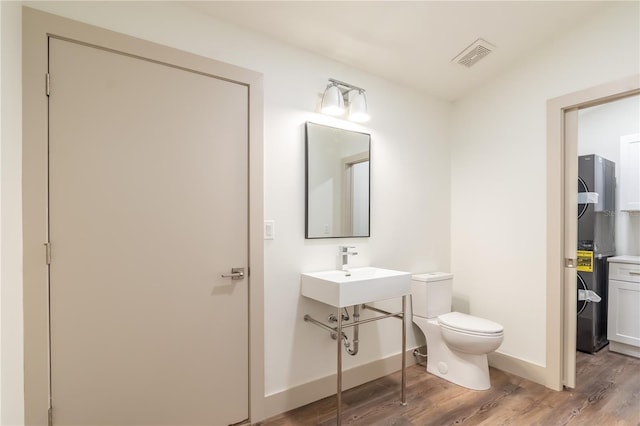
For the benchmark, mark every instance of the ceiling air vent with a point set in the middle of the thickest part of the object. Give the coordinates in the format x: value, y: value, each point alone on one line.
x: 472, y: 54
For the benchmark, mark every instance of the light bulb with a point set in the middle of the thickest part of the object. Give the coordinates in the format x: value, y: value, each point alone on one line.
x: 358, y: 108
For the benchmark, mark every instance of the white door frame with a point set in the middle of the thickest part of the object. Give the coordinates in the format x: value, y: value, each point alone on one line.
x: 561, y: 219
x: 36, y: 28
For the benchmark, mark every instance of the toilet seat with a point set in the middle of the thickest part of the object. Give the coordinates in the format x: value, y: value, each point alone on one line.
x: 468, y: 324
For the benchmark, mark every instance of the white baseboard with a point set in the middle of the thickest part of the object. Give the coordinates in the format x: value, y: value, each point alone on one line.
x: 306, y: 393
x: 624, y: 348
x: 525, y: 369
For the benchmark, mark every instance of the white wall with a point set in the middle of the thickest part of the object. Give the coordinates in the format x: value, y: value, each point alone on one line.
x: 1, y: 240
x: 599, y: 131
x: 499, y: 174
x: 11, y: 367
x: 409, y: 182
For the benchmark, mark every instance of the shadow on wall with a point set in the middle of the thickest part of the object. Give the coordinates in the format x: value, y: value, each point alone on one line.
x: 461, y: 303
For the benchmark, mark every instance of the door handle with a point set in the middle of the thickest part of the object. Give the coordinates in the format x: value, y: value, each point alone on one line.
x: 236, y: 274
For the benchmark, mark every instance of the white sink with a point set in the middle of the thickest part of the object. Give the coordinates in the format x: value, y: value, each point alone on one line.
x: 364, y: 285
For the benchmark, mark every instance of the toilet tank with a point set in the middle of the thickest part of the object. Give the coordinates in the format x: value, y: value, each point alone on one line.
x: 431, y: 294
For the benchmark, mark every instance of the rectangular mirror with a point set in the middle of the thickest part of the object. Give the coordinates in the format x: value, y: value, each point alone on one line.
x: 337, y: 182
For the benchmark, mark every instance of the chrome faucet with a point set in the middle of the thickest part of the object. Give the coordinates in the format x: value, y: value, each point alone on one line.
x: 344, y: 252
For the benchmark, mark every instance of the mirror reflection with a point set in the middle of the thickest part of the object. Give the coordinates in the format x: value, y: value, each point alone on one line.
x: 337, y: 182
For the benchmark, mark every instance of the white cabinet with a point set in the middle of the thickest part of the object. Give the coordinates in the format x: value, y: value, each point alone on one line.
x: 630, y: 172
x: 623, y: 322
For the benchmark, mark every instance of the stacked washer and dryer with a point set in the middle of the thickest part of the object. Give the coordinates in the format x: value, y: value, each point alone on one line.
x: 596, y: 243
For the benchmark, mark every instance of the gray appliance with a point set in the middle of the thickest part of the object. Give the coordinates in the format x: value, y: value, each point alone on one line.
x: 596, y: 242
x: 596, y: 220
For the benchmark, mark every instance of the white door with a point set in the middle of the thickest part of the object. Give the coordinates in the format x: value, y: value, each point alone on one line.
x: 148, y: 207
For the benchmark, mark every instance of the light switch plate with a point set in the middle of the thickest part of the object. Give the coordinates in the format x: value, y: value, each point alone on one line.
x: 269, y: 229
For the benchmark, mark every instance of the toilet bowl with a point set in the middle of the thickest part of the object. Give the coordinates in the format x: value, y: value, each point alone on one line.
x: 457, y: 343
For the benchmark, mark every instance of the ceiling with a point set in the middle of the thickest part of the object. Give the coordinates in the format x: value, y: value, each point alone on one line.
x: 413, y: 42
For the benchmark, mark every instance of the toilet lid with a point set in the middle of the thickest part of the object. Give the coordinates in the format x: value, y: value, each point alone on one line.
x: 464, y: 322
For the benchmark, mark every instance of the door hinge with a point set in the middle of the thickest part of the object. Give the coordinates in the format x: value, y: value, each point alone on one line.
x: 47, y: 247
x: 50, y: 417
x: 48, y: 85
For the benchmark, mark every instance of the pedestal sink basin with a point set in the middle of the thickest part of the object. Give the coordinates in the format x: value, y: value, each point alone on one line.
x: 359, y: 285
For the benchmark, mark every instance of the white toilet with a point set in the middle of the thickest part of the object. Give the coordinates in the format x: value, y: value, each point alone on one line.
x: 457, y: 343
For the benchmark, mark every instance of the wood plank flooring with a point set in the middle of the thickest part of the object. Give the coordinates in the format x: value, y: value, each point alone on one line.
x: 607, y: 393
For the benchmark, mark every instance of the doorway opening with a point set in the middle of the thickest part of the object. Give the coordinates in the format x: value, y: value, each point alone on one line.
x: 562, y: 230
x: 355, y: 194
x: 606, y: 228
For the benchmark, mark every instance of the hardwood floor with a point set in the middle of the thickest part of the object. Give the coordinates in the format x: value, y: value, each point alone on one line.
x: 607, y: 393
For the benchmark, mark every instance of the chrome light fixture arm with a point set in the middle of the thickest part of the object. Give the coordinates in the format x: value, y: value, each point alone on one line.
x: 345, y: 88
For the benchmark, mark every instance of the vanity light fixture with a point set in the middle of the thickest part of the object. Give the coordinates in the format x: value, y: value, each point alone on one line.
x: 339, y: 94
x: 358, y: 107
